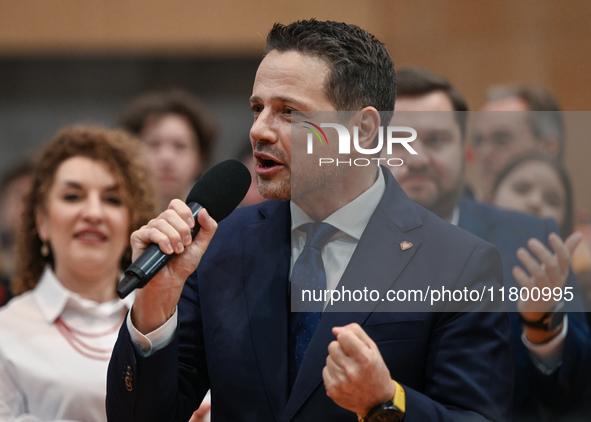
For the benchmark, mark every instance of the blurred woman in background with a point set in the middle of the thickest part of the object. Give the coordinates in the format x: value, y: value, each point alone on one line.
x: 15, y: 183
x: 89, y: 193
x: 539, y: 185
x: 177, y: 134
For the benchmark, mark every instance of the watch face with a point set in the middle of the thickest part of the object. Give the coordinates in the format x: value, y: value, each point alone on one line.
x: 387, y: 415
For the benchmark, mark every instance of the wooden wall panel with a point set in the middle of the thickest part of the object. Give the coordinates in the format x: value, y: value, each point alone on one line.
x: 474, y: 43
x: 217, y: 27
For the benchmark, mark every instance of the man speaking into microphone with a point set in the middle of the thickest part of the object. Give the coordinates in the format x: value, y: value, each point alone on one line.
x: 222, y: 319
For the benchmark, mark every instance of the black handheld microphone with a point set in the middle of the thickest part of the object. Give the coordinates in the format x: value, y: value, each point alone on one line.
x: 219, y: 191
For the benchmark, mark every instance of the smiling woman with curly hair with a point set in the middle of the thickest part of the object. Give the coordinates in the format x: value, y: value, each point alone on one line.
x: 88, y: 194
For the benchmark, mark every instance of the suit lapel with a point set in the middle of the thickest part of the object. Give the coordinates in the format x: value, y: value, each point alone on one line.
x: 379, y: 260
x: 266, y: 274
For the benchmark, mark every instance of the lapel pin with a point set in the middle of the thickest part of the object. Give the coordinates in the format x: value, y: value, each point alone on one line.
x: 405, y: 245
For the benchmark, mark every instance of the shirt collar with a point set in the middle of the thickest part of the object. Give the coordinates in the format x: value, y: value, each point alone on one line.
x: 53, y: 298
x: 353, y: 217
x: 455, y: 218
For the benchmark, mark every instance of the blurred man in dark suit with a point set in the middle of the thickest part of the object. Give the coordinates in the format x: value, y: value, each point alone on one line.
x: 552, y: 349
x: 506, y: 128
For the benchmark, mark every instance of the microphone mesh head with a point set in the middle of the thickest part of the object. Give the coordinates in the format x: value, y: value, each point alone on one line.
x: 221, y: 188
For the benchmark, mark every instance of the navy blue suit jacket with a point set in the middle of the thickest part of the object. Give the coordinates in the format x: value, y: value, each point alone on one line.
x: 233, y: 327
x: 536, y: 394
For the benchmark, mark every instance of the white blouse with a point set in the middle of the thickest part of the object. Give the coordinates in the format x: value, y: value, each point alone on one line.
x: 45, y: 377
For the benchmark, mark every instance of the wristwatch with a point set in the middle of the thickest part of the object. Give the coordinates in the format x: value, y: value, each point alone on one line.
x: 385, y: 412
x: 391, y: 411
x: 549, y: 321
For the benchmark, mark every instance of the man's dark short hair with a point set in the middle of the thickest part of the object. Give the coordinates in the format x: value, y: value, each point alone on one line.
x: 361, y: 71
x: 135, y: 116
x: 543, y: 125
x: 416, y: 82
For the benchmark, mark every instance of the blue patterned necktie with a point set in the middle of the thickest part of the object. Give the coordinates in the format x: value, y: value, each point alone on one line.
x: 308, y: 274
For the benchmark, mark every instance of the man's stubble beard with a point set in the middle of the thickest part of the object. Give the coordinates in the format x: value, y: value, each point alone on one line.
x: 284, y: 190
x: 280, y: 191
x: 445, y: 203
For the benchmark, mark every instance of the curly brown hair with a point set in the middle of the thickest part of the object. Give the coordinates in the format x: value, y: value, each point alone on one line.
x: 119, y: 152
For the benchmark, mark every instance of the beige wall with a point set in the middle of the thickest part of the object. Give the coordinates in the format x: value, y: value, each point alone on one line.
x: 474, y: 43
x: 156, y: 26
